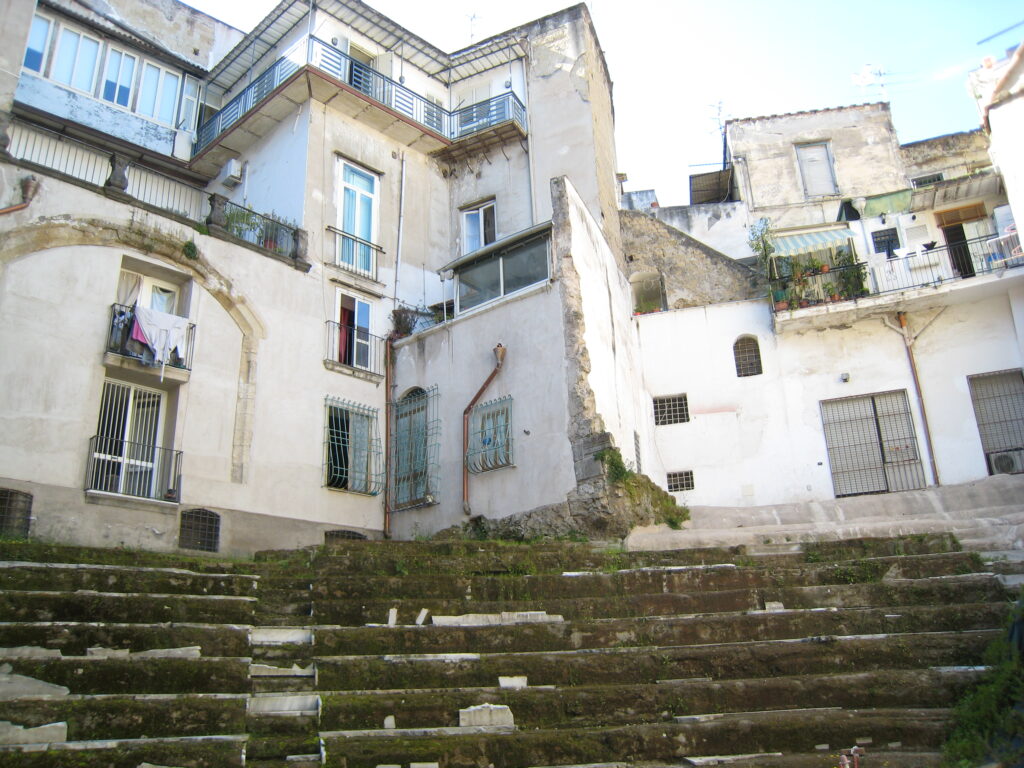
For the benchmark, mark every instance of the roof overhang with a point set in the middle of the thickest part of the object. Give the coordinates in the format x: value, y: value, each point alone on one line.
x: 496, y: 246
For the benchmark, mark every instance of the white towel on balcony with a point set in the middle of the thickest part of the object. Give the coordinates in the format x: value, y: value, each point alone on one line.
x: 165, y: 333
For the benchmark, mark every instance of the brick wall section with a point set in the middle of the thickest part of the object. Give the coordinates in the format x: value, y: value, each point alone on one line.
x: 694, y: 274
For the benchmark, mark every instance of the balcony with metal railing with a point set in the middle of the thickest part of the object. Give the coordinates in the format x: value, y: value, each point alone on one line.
x: 314, y: 67
x: 134, y: 469
x: 924, y: 277
x: 355, y: 255
x: 354, y: 350
x: 128, y: 340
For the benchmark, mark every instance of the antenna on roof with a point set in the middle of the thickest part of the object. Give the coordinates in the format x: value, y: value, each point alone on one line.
x: 472, y: 17
x: 1000, y: 32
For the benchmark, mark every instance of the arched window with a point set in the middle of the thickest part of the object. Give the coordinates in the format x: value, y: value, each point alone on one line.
x: 748, y: 356
x: 415, y: 448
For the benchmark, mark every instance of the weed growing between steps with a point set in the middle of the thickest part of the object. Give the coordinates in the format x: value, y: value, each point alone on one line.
x: 990, y: 718
x: 641, y: 490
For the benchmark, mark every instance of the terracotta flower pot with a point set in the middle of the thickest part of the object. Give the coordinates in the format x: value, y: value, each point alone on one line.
x: 825, y: 268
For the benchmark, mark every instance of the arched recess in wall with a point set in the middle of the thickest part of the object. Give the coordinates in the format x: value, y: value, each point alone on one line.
x: 746, y: 352
x: 648, y: 291
x: 43, y: 235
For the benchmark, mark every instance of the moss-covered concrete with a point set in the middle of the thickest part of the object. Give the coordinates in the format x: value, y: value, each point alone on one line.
x: 72, y: 639
x: 95, y: 675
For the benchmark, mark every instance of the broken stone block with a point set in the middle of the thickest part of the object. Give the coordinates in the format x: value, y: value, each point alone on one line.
x: 389, y: 722
x: 42, y: 734
x: 423, y: 616
x: 31, y: 652
x: 392, y: 616
x: 19, y: 686
x: 513, y: 681
x: 188, y: 652
x: 486, y: 714
x: 107, y: 653
x: 773, y: 606
x: 423, y: 765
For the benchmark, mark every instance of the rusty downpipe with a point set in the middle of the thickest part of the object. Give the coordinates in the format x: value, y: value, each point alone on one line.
x: 909, y: 339
x: 388, y: 352
x: 29, y: 187
x: 499, y: 356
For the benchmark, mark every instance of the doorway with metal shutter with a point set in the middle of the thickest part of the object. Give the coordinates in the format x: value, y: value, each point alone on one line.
x: 872, y: 446
x: 998, y: 400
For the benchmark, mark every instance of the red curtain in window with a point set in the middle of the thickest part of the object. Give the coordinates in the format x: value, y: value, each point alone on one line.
x: 344, y: 336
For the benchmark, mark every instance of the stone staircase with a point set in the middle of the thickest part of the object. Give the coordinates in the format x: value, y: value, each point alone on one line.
x: 476, y: 654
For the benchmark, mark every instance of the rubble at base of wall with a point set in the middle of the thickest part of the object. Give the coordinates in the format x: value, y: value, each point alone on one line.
x: 596, y: 510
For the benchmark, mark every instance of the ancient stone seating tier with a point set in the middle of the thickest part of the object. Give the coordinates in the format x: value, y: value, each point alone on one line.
x: 472, y: 654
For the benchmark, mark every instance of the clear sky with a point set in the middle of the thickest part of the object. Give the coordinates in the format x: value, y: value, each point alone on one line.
x: 674, y: 61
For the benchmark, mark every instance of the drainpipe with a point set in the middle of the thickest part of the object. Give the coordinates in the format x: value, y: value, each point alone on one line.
x: 401, y: 221
x: 387, y: 437
x: 29, y: 187
x: 499, y: 356
x: 908, y: 339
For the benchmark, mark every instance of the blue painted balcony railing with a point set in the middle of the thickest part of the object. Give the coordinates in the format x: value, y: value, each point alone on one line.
x: 372, y: 84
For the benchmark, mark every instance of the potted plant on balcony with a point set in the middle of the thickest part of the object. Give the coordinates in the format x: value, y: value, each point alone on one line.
x: 813, y: 266
x: 830, y: 291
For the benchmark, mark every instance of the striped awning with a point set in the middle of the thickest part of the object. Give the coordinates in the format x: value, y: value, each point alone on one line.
x: 807, y: 242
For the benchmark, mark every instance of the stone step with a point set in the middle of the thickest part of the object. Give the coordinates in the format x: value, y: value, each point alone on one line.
x: 767, y: 658
x: 86, y: 605
x: 657, y: 631
x: 748, y: 732
x: 69, y: 577
x: 588, y: 706
x: 926, y: 591
x: 282, y: 747
x: 194, y: 751
x: 73, y: 638
x: 286, y: 637
x: 825, y: 757
x: 105, y: 717
x: 646, y: 580
x: 90, y: 675
x: 42, y: 552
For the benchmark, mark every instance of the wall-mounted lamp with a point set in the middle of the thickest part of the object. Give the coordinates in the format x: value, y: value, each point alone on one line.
x: 844, y: 377
x: 882, y: 217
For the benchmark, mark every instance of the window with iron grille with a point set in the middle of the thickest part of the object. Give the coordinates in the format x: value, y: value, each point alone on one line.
x: 199, y: 529
x: 490, y: 437
x: 680, y: 481
x: 672, y: 409
x: 415, y: 448
x: 924, y: 181
x: 15, y: 513
x: 999, y: 410
x: 352, y: 451
x: 747, y: 354
x: 885, y: 240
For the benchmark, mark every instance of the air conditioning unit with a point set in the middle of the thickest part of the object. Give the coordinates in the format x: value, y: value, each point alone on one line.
x: 1006, y: 462
x: 233, y: 173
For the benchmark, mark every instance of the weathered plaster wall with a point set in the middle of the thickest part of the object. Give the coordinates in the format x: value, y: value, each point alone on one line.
x: 864, y: 149
x: 457, y: 358
x: 1007, y: 122
x: 758, y: 440
x: 693, y: 273
x: 721, y: 226
x: 953, y: 155
x: 17, y: 16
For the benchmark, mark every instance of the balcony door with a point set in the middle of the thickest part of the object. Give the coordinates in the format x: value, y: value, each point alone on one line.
x: 126, y: 452
x: 358, y: 214
x: 353, y: 331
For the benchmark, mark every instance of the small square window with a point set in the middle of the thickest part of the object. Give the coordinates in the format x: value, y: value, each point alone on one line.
x: 200, y: 530
x: 885, y: 240
x: 673, y: 409
x: 680, y: 481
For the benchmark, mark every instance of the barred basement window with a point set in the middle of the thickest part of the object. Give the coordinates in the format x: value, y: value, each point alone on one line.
x: 672, y: 409
x: 352, y: 451
x: 490, y: 437
x: 15, y: 513
x: 747, y: 355
x: 199, y: 529
x: 680, y: 481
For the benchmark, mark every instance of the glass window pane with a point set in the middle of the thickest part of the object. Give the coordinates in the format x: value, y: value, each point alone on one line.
x: 85, y: 67
x: 168, y: 98
x: 189, y: 100
x: 365, y: 230
x: 526, y: 265
x: 471, y: 224
x: 478, y: 283
x: 124, y: 86
x: 64, y: 66
x: 36, y: 50
x: 147, y: 94
x: 488, y: 216
x: 358, y: 179
x: 362, y: 314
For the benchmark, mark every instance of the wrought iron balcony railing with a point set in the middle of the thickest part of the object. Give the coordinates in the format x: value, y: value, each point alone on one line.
x: 922, y: 268
x: 373, y: 85
x: 121, y: 341
x: 133, y: 469
x: 353, y: 254
x: 354, y: 347
x: 258, y: 229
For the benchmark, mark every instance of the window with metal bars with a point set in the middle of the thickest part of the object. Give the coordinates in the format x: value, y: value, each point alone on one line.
x: 885, y: 240
x: 924, y: 181
x: 680, y: 481
x: 490, y: 437
x: 872, y: 445
x: 998, y: 400
x: 199, y: 529
x: 15, y: 513
x: 415, y: 448
x: 671, y: 409
x: 747, y: 354
x: 352, y: 451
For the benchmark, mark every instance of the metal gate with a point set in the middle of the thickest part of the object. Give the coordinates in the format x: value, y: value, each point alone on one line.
x: 872, y: 447
x: 999, y: 409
